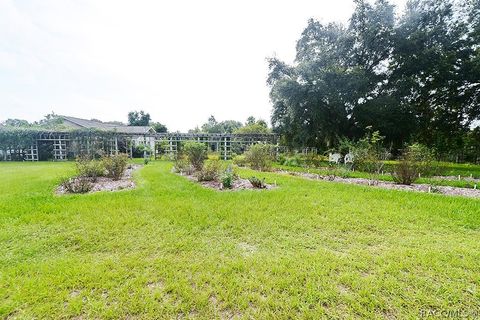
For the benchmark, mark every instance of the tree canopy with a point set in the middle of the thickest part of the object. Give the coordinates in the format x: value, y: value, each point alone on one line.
x: 413, y: 77
x: 138, y: 118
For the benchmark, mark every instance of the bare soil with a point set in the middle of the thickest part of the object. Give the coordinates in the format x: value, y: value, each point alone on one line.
x: 109, y: 184
x: 446, y: 190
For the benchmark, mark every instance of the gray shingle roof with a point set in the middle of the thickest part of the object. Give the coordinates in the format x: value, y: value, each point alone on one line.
x: 95, y: 124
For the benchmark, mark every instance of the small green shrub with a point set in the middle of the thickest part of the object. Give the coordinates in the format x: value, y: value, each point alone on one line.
x: 259, y: 157
x: 240, y: 161
x: 369, y: 154
x: 293, y: 161
x: 77, y: 185
x: 89, y: 168
x: 210, y: 171
x: 115, y: 165
x: 416, y: 160
x: 257, y: 183
x: 182, y: 166
x: 146, y: 161
x: 196, y: 153
x: 227, y: 179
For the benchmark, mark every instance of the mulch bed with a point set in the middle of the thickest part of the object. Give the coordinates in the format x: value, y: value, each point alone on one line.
x: 446, y: 190
x: 238, y: 184
x: 108, y: 184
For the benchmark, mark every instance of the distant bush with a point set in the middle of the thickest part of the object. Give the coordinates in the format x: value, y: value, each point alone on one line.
x: 293, y: 161
x: 423, y: 157
x: 259, y: 157
x: 77, y: 185
x: 257, y: 183
x: 227, y: 179
x: 196, y: 153
x: 89, y: 168
x: 183, y: 166
x: 369, y: 155
x: 416, y: 160
x: 240, y: 161
x: 210, y: 171
x: 115, y: 165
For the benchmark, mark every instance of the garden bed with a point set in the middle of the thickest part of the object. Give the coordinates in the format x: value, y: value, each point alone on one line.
x: 446, y: 190
x: 238, y: 184
x: 107, y: 184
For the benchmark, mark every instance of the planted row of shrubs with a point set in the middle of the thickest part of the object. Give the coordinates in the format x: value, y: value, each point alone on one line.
x: 89, y: 170
x: 192, y: 161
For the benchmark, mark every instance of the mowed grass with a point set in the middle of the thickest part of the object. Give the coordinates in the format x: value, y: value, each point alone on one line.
x: 172, y: 249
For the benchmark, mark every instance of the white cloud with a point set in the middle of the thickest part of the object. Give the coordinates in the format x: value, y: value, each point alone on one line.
x: 179, y: 60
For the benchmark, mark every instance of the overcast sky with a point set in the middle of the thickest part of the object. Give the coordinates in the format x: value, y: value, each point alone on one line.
x: 181, y: 61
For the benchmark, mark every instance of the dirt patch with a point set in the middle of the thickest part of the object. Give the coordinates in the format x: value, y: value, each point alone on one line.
x: 238, y: 184
x: 108, y: 184
x: 446, y: 190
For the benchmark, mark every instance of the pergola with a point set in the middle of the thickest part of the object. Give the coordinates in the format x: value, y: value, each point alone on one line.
x: 67, y: 144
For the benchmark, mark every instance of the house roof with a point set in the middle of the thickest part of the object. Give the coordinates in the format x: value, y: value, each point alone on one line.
x: 95, y: 124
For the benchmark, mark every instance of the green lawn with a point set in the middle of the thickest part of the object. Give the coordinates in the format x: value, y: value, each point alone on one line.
x: 459, y: 169
x: 172, y: 249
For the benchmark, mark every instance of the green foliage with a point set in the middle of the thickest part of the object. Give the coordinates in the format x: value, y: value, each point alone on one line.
x: 90, y: 168
x: 240, y: 161
x: 210, y: 171
x: 115, y: 165
x: 294, y: 161
x: 412, y: 78
x: 253, y: 126
x: 369, y: 154
x: 138, y: 118
x: 257, y: 182
x: 259, y: 157
x: 416, y: 160
x: 227, y: 126
x: 183, y: 166
x: 335, y: 170
x: 228, y: 177
x: 159, y: 127
x: 80, y: 184
x: 196, y: 153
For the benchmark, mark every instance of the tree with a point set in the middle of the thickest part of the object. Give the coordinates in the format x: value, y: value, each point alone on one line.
x: 253, y: 126
x: 413, y: 78
x: 227, y: 126
x: 159, y: 127
x: 138, y: 118
x: 17, y: 123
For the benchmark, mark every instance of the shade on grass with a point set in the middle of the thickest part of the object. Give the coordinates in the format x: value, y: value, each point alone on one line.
x: 171, y: 248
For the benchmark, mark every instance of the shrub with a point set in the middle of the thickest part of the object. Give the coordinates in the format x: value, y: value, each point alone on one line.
x: 210, y: 171
x: 240, y: 161
x: 416, y: 160
x: 196, y: 153
x: 314, y: 160
x: 227, y: 179
x: 257, y: 183
x: 77, y: 185
x: 422, y: 156
x: 294, y: 161
x: 259, y: 157
x: 183, y: 166
x: 146, y: 161
x: 115, y: 165
x: 368, y: 154
x: 89, y: 168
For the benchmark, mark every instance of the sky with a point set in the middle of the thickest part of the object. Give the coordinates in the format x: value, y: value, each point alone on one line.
x: 181, y: 61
